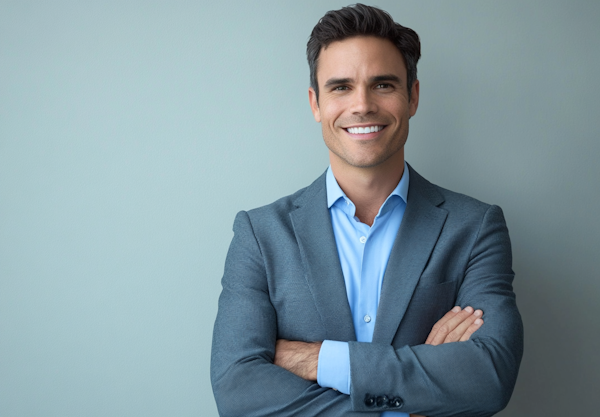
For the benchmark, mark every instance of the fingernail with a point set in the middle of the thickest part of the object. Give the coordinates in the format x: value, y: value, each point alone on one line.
x: 456, y: 309
x: 469, y: 309
x: 478, y: 322
x: 478, y: 313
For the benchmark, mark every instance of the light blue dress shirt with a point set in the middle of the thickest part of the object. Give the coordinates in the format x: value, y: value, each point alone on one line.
x: 364, y: 253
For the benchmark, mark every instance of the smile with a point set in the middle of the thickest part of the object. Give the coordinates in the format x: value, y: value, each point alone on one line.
x: 364, y: 130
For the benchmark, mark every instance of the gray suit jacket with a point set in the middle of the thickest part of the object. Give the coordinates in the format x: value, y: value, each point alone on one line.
x: 283, y: 279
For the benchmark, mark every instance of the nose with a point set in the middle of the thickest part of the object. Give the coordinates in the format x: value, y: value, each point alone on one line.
x: 363, y: 102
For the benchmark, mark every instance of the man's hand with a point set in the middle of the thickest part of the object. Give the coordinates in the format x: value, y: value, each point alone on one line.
x: 456, y: 326
x: 299, y: 358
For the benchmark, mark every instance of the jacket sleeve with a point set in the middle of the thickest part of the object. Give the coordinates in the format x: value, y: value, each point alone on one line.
x: 244, y: 379
x: 472, y: 378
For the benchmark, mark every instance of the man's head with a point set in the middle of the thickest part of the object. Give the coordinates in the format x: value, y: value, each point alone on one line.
x: 362, y: 93
x: 362, y: 20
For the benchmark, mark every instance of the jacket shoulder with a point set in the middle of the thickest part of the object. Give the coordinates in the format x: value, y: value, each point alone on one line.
x: 455, y: 200
x: 443, y: 197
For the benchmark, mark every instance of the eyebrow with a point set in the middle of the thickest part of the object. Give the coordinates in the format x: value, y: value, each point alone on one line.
x: 386, y: 77
x: 336, y: 81
x: 378, y: 78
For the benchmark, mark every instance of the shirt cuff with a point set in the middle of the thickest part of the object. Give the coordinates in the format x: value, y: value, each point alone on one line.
x: 333, y: 369
x: 394, y: 414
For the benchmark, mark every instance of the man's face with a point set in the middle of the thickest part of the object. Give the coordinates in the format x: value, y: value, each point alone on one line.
x: 362, y: 88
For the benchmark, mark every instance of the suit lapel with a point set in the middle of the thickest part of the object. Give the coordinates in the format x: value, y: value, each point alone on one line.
x: 421, y: 226
x: 314, y: 233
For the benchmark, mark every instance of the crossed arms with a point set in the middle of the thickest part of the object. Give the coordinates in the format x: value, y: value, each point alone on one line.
x: 302, y: 358
x: 472, y: 378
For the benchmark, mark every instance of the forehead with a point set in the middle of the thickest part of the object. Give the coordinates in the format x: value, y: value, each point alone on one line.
x: 358, y: 57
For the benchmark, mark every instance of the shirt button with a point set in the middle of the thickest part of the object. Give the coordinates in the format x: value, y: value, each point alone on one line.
x: 367, y: 318
x: 363, y: 239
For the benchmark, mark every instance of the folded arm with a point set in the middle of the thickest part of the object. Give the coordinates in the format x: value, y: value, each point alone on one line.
x: 303, y: 359
x: 245, y: 380
x: 473, y: 378
x: 306, y: 359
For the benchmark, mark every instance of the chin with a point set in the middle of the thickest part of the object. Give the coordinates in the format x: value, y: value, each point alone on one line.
x: 366, y: 163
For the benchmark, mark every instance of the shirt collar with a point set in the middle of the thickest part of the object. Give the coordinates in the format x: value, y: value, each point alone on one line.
x: 334, y: 192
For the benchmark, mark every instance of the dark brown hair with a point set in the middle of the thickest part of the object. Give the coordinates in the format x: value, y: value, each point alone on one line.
x: 362, y: 20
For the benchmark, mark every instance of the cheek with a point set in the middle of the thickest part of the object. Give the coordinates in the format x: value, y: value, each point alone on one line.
x: 331, y: 111
x: 397, y: 104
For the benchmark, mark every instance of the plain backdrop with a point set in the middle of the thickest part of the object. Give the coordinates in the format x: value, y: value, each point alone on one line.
x: 131, y: 132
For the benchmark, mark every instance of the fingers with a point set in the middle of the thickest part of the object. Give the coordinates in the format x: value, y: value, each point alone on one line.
x: 464, y: 326
x: 441, y: 322
x: 456, y: 325
x: 472, y: 329
x: 448, y: 323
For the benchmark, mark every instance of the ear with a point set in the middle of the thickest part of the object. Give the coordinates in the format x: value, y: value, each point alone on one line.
x: 314, y: 104
x: 414, y: 98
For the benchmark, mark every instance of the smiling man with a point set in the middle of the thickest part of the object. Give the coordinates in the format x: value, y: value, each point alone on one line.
x: 363, y: 294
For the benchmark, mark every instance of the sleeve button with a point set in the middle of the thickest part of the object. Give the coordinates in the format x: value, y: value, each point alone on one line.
x: 396, y: 402
x: 369, y: 401
x: 382, y: 400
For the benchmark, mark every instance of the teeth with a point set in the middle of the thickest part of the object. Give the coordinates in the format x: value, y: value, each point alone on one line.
x: 363, y: 130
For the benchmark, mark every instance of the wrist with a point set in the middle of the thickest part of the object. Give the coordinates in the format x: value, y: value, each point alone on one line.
x: 314, y: 360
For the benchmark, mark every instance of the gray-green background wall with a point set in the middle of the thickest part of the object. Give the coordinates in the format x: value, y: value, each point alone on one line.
x: 131, y: 132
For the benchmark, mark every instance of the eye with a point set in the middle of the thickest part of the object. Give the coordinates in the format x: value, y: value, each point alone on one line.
x: 340, y: 88
x: 383, y: 85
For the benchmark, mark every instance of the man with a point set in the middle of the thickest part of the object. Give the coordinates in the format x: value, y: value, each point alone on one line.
x: 338, y: 300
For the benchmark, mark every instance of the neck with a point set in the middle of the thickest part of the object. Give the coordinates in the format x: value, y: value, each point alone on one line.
x: 368, y: 188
